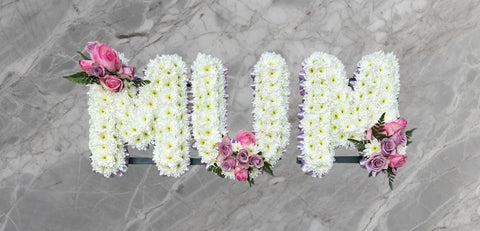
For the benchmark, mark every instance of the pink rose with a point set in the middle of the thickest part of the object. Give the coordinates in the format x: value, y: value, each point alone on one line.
x: 229, y: 163
x: 245, y: 138
x: 86, y: 65
x: 127, y: 72
x: 397, y: 160
x: 255, y: 161
x: 104, y: 55
x: 369, y: 135
x: 108, y: 58
x: 395, y: 126
x: 241, y: 174
x: 112, y: 83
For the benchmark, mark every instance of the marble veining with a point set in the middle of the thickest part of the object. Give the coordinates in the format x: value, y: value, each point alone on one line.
x: 46, y: 182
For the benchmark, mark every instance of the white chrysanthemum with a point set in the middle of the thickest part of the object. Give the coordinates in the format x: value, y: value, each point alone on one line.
x: 108, y: 156
x: 378, y: 86
x: 402, y: 150
x: 371, y: 148
x: 163, y: 114
x: 271, y: 105
x: 326, y: 108
x: 208, y: 115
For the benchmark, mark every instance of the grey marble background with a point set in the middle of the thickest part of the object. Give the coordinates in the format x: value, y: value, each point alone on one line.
x: 45, y: 174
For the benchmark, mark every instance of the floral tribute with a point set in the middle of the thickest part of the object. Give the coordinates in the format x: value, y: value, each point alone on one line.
x: 240, y: 158
x: 383, y: 149
x: 247, y: 160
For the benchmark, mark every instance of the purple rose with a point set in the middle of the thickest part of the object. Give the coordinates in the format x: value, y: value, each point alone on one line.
x: 388, y: 147
x: 255, y: 161
x: 225, y: 147
x: 127, y: 72
x: 98, y: 70
x: 242, y: 156
x: 400, y: 138
x: 376, y: 163
x: 229, y: 163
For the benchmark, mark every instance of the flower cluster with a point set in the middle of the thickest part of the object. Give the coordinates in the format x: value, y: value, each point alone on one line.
x: 104, y: 67
x: 383, y: 149
x: 377, y: 85
x: 240, y: 159
x: 208, y: 116
x: 325, y: 116
x: 271, y: 92
x: 164, y: 105
x: 108, y: 155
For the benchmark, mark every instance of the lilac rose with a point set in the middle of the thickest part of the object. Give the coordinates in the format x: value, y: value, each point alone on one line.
x: 242, y: 156
x: 255, y: 161
x: 376, y: 163
x: 388, y: 147
x: 228, y: 164
x: 400, y: 138
x: 98, y: 70
x: 225, y: 147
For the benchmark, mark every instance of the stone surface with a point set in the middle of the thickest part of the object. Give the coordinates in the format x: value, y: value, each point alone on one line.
x: 45, y: 173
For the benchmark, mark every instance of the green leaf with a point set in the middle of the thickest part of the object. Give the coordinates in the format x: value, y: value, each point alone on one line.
x: 217, y: 170
x: 250, y: 181
x: 360, y: 145
x: 83, y: 55
x: 140, y: 82
x: 409, y: 133
x: 82, y: 78
x: 379, y: 128
x: 267, y: 167
x: 391, y: 177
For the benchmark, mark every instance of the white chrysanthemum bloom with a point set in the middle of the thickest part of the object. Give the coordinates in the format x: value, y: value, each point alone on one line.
x: 378, y: 85
x: 325, y: 109
x: 164, y: 114
x: 402, y: 150
x: 371, y: 148
x: 108, y: 156
x: 208, y: 115
x: 271, y: 126
x: 236, y: 146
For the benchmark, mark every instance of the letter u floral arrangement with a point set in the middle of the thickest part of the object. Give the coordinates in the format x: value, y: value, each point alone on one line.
x: 167, y: 109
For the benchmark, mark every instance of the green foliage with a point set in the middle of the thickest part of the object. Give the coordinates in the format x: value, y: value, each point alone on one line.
x: 140, y: 82
x: 409, y: 134
x: 267, y: 167
x: 360, y: 145
x: 82, y: 78
x: 379, y: 128
x: 216, y: 169
x: 391, y: 177
x: 250, y: 181
x: 83, y: 55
